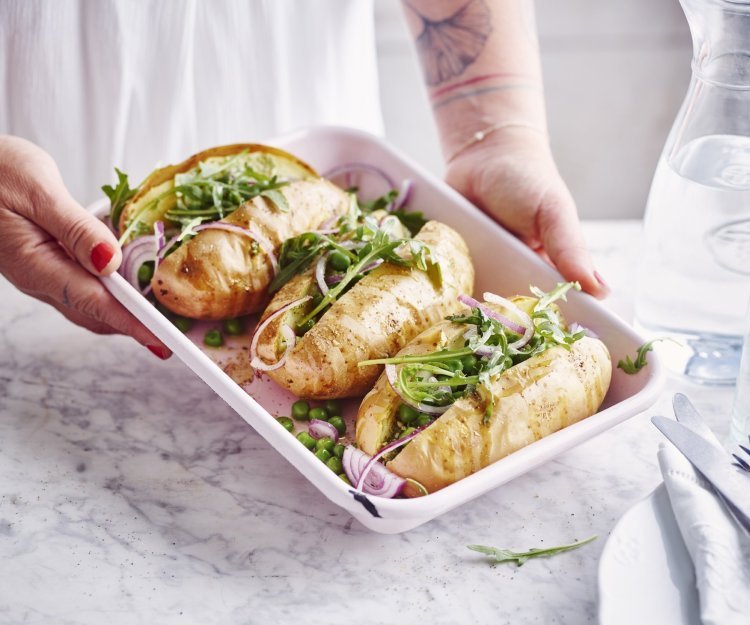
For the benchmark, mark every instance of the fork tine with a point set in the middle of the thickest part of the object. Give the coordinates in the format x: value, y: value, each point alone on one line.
x: 745, y: 449
x: 741, y: 463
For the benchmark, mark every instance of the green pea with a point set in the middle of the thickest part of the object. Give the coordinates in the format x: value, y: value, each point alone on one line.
x: 334, y: 464
x: 454, y: 365
x: 325, y: 443
x: 407, y: 415
x: 339, y: 424
x: 145, y: 273
x: 318, y: 413
x: 344, y: 479
x: 287, y: 423
x: 306, y: 327
x: 338, y: 450
x: 301, y: 410
x: 213, y: 338
x: 307, y: 440
x: 339, y: 261
x: 323, y: 454
x: 332, y: 407
x: 423, y: 419
x: 234, y: 327
x: 183, y: 324
x: 469, y: 362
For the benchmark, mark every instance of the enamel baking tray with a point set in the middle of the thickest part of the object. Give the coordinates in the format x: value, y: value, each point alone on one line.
x: 503, y: 265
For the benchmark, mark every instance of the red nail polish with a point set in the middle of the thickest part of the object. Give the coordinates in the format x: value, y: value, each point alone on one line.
x: 159, y: 351
x: 600, y: 280
x: 101, y: 255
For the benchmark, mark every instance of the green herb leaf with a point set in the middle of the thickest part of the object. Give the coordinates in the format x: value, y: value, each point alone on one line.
x: 412, y: 220
x: 519, y: 557
x: 631, y: 367
x: 295, y: 256
x: 118, y: 197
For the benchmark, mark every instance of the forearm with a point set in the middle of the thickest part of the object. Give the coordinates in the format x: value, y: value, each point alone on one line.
x: 480, y: 60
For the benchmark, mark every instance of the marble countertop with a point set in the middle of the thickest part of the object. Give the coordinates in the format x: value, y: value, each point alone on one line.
x: 132, y: 494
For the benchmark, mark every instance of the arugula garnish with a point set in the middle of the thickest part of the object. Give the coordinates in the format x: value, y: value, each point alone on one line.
x: 442, y: 377
x: 295, y: 256
x: 519, y: 557
x: 211, y: 192
x: 412, y: 220
x: 118, y: 197
x: 379, y: 246
x: 631, y: 367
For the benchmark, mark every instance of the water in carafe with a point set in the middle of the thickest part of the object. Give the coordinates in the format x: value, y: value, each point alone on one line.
x: 694, y: 279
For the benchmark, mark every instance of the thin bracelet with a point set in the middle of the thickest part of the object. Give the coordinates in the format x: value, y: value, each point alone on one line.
x: 481, y: 135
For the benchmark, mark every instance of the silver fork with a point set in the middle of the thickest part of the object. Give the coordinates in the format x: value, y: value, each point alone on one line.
x: 743, y: 464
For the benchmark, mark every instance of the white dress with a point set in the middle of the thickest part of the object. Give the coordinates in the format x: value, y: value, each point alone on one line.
x: 133, y: 84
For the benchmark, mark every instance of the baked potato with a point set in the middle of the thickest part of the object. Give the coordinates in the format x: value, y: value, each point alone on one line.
x: 375, y: 318
x: 545, y: 392
x: 219, y: 274
x: 254, y: 197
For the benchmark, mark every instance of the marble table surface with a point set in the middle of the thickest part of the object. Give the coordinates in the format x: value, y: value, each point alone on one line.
x: 129, y: 493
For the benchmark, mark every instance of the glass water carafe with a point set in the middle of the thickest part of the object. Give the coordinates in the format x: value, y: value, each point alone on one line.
x: 694, y: 280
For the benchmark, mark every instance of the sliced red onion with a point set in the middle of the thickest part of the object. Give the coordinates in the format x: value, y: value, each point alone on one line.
x: 134, y: 254
x: 322, y: 429
x: 373, y: 480
x: 372, y: 265
x: 372, y: 462
x: 328, y: 222
x: 511, y: 325
x: 334, y: 279
x: 403, y: 195
x: 286, y: 331
x: 392, y: 377
x: 327, y: 231
x: 249, y: 231
x: 528, y: 324
x: 320, y: 273
x: 484, y: 350
x: 351, y: 168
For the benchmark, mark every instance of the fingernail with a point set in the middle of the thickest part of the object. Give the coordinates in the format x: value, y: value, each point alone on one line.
x: 101, y: 255
x: 159, y: 351
x: 600, y: 280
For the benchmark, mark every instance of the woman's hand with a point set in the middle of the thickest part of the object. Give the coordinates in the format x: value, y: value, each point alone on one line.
x: 51, y: 248
x: 511, y: 176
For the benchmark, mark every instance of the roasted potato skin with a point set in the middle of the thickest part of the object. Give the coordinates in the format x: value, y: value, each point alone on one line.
x: 220, y: 274
x: 375, y: 319
x: 532, y: 399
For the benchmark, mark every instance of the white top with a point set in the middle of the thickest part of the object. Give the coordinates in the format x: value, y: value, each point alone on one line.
x: 134, y: 84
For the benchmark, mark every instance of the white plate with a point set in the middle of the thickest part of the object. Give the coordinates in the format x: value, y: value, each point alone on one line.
x: 645, y: 572
x: 503, y: 265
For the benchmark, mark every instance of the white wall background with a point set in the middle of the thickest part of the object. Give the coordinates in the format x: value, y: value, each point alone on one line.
x: 615, y: 74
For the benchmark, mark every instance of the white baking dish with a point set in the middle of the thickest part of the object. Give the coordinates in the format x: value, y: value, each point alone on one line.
x: 503, y: 265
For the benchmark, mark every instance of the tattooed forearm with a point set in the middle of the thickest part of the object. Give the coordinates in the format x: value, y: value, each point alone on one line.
x: 447, y: 47
x: 459, y: 93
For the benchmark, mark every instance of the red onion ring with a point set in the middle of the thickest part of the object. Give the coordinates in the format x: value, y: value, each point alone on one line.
x: 134, y: 254
x: 373, y: 480
x: 372, y: 462
x: 403, y: 196
x: 320, y: 273
x: 287, y: 332
x: 351, y: 168
x: 526, y: 320
x: 391, y: 376
x: 511, y: 325
x: 322, y: 429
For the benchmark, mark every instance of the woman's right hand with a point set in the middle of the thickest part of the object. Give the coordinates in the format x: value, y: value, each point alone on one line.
x: 52, y: 248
